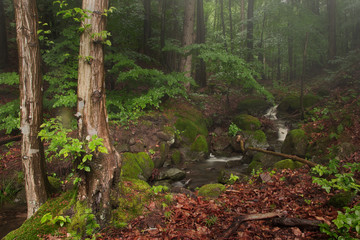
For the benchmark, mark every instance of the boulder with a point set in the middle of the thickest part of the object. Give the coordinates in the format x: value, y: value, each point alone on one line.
x: 136, y: 165
x: 247, y: 122
x: 173, y: 174
x: 296, y: 143
x: 288, y: 164
x: 211, y: 190
x: 253, y: 106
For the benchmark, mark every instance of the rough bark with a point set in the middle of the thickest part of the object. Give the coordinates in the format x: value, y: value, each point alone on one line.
x: 200, y: 73
x: 250, y: 30
x: 3, y: 38
x: 188, y: 35
x: 97, y: 184
x: 32, y: 152
x: 331, y: 8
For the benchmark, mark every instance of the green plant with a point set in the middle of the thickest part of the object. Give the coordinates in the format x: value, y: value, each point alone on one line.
x: 152, y: 151
x: 10, y: 116
x: 233, y: 129
x: 158, y: 189
x: 168, y: 214
x: 211, y: 221
x: 255, y: 173
x: 7, y: 191
x: 233, y: 178
x: 61, y: 220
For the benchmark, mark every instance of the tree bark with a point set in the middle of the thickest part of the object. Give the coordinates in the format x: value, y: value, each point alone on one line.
x: 250, y: 30
x: 162, y: 32
x: 242, y: 15
x: 231, y: 28
x: 32, y: 152
x: 96, y: 185
x: 290, y: 42
x: 331, y: 8
x: 200, y: 73
x: 3, y: 38
x: 302, y: 78
x: 223, y: 22
x: 188, y: 36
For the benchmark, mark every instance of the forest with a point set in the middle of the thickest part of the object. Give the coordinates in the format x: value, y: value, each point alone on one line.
x: 179, y: 119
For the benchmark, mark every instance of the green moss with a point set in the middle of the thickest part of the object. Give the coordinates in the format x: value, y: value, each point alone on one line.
x: 291, y: 103
x: 288, y: 164
x: 296, y: 142
x: 253, y: 105
x: 200, y: 145
x: 190, y: 129
x: 247, y: 122
x: 55, y: 182
x: 134, y: 195
x: 211, y: 190
x: 254, y: 165
x: 341, y: 200
x: 136, y: 165
x: 32, y: 228
x: 176, y: 157
x: 259, y: 136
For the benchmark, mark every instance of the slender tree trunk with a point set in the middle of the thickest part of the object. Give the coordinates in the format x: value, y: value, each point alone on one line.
x: 3, y: 38
x: 215, y: 16
x: 242, y: 15
x: 188, y: 36
x: 331, y: 7
x: 223, y: 22
x: 162, y: 32
x: 200, y: 73
x: 231, y: 28
x: 261, y: 48
x: 250, y: 30
x: 32, y: 152
x: 302, y: 78
x: 290, y: 42
x: 96, y: 185
x: 147, y: 25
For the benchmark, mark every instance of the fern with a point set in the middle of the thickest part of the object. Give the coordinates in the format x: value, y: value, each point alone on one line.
x: 10, y: 78
x: 10, y: 116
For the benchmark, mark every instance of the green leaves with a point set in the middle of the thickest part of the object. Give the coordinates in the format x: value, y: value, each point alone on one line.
x: 10, y: 116
x: 9, y: 78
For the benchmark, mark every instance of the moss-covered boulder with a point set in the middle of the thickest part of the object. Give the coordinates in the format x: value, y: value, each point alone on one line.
x: 253, y: 139
x: 266, y: 160
x: 176, y: 157
x: 291, y: 103
x: 200, y: 145
x: 253, y: 106
x: 288, y: 164
x: 341, y: 200
x: 136, y: 165
x: 173, y: 174
x: 247, y: 122
x: 254, y: 166
x: 211, y: 190
x: 296, y: 143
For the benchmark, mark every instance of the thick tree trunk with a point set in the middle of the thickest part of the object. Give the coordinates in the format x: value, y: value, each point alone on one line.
x: 32, y: 152
x: 331, y: 8
x: 188, y: 35
x: 200, y: 73
x: 105, y: 168
x: 147, y: 25
x: 250, y: 30
x: 3, y: 38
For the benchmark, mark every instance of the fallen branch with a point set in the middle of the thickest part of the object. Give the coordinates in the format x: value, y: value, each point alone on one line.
x: 297, y: 222
x: 10, y: 139
x: 292, y: 157
x: 250, y: 217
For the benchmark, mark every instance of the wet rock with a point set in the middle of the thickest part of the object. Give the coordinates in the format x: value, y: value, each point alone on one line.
x: 288, y: 164
x: 247, y: 122
x: 296, y: 143
x: 173, y: 174
x: 211, y: 190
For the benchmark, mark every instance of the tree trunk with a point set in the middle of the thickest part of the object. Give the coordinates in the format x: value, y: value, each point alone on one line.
x: 162, y: 33
x: 331, y: 7
x: 223, y: 22
x: 32, y: 152
x: 200, y: 73
x: 290, y: 42
x: 3, y: 38
x: 231, y: 28
x: 188, y: 35
x: 242, y: 15
x: 96, y: 185
x: 302, y: 78
x: 147, y: 25
x: 250, y: 30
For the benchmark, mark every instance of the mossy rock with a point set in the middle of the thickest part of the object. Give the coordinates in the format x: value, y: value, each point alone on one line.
x: 254, y: 166
x: 136, y: 165
x: 211, y: 190
x: 176, y: 157
x: 32, y: 228
x: 341, y: 200
x: 55, y: 182
x: 190, y: 129
x: 254, y: 139
x: 134, y: 194
x: 295, y: 143
x: 266, y: 160
x: 288, y: 164
x: 200, y: 145
x: 247, y: 122
x: 253, y: 106
x: 291, y: 103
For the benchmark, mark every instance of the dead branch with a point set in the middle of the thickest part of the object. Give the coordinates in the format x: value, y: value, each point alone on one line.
x: 250, y: 217
x: 297, y: 222
x: 10, y: 139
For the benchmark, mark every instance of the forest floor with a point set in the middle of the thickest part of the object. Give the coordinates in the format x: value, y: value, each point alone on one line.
x: 287, y: 193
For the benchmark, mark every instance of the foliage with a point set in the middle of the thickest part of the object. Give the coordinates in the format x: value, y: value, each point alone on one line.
x: 7, y: 191
x: 9, y: 78
x: 63, y: 147
x: 61, y: 220
x: 233, y: 178
x: 233, y: 129
x: 158, y: 189
x: 10, y: 116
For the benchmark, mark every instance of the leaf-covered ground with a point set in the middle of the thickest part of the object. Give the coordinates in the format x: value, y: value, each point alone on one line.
x: 290, y: 192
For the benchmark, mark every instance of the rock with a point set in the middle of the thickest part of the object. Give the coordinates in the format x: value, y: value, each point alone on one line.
x: 200, y: 145
x: 288, y: 164
x: 296, y: 143
x: 253, y: 106
x: 173, y: 174
x: 253, y: 139
x: 122, y: 148
x: 220, y: 144
x: 247, y: 122
x: 341, y: 200
x: 211, y: 190
x: 136, y: 165
x: 137, y: 147
x: 291, y: 103
x: 254, y: 166
x: 266, y: 160
x: 176, y: 157
x: 164, y: 136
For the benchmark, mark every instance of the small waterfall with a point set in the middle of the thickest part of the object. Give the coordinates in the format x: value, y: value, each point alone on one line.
x: 280, y: 124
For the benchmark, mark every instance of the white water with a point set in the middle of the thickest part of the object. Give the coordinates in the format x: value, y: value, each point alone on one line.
x: 282, y: 129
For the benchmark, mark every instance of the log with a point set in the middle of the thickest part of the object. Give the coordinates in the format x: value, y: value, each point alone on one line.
x: 10, y: 139
x: 292, y: 157
x: 296, y: 222
x: 250, y: 217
